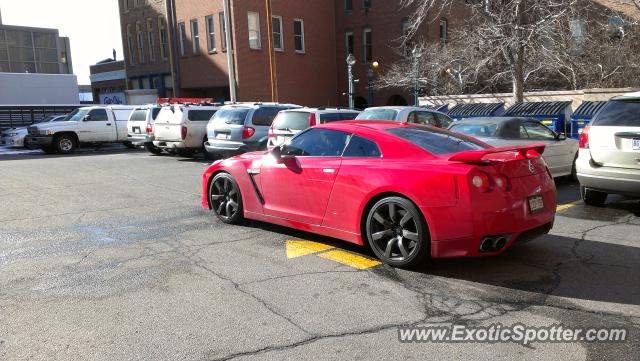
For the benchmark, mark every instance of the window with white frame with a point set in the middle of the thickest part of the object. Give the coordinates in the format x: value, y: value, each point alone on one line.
x: 443, y: 31
x: 182, y: 29
x: 298, y: 35
x: 223, y: 32
x: 254, y: 30
x: 195, y: 37
x: 348, y: 5
x: 126, y: 4
x: 151, y: 40
x: 164, y: 37
x: 140, y: 41
x: 276, y: 26
x: 132, y: 56
x: 367, y: 44
x: 211, y: 33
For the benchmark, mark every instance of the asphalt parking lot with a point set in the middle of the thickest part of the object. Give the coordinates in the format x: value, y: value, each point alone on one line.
x: 107, y: 256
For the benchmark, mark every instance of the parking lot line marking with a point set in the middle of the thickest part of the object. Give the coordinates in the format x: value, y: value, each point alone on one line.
x: 350, y: 259
x: 564, y: 207
x: 297, y: 248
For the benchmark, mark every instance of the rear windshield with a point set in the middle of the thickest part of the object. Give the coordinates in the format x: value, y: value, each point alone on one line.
x: 436, y: 141
x: 291, y: 121
x: 265, y: 115
x: 378, y: 114
x: 139, y: 115
x: 621, y: 113
x: 201, y: 115
x: 332, y: 117
x: 475, y: 130
x: 231, y: 116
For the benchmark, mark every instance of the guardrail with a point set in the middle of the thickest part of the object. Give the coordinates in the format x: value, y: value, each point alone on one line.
x: 12, y: 116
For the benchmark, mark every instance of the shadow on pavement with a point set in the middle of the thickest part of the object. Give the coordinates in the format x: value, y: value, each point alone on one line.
x: 80, y: 152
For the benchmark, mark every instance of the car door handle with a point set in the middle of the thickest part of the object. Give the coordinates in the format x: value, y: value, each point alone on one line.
x: 329, y: 170
x: 109, y: 124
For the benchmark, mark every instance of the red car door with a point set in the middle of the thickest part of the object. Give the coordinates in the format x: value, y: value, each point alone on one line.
x: 298, y: 188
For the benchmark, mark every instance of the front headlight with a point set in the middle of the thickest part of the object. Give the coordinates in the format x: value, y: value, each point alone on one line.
x: 46, y: 132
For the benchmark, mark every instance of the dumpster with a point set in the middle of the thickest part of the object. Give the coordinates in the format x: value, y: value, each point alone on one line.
x: 475, y: 110
x: 443, y: 108
x: 554, y: 115
x: 583, y: 115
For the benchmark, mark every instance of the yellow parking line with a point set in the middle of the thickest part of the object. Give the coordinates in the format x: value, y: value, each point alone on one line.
x: 302, y: 248
x: 350, y: 259
x: 564, y: 207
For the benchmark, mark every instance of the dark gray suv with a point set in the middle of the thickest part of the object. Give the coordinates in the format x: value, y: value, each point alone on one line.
x: 242, y: 127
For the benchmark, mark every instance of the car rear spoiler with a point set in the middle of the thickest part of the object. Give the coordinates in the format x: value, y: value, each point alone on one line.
x: 500, y: 154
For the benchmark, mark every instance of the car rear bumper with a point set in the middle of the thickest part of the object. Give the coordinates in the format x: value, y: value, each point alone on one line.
x: 169, y: 145
x: 15, y: 141
x: 623, y: 181
x: 225, y: 147
x: 139, y: 139
x: 39, y: 141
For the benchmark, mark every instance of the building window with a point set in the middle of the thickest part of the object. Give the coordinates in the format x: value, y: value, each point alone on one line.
x: 140, y: 40
x: 126, y: 4
x: 276, y: 25
x: 136, y: 3
x: 164, y: 38
x: 211, y: 34
x: 348, y: 42
x: 151, y: 40
x: 223, y: 32
x: 254, y: 30
x: 406, y: 44
x: 195, y: 37
x: 348, y: 5
x: 298, y: 35
x: 443, y: 31
x: 132, y: 56
x: 366, y: 5
x: 182, y: 29
x: 367, y: 44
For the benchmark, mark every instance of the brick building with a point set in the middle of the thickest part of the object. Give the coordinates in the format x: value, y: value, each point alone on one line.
x: 305, y: 57
x: 146, y: 38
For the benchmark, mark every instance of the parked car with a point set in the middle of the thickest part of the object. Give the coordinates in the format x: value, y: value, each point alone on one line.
x: 560, y: 153
x: 93, y: 124
x: 140, y: 127
x: 609, y: 157
x: 242, y: 127
x: 183, y: 128
x: 15, y: 137
x: 400, y: 187
x: 291, y: 122
x: 416, y: 115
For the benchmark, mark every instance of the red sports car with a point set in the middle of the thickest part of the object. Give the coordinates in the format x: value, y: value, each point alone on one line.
x: 409, y: 191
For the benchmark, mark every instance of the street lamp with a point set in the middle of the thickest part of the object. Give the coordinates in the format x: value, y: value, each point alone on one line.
x: 417, y: 54
x: 370, y: 73
x: 351, y: 61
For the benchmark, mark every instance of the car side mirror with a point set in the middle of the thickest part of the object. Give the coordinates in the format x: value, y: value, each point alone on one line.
x: 561, y: 137
x: 86, y: 118
x: 277, y: 153
x: 281, y: 152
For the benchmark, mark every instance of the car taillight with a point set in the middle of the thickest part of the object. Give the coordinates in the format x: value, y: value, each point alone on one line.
x: 149, y: 128
x: 183, y: 132
x: 502, y: 182
x: 312, y: 119
x: 480, y: 181
x: 584, y: 138
x: 270, y: 133
x: 248, y: 132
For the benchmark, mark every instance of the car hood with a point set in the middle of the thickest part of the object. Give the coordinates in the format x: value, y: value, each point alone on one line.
x: 55, y: 125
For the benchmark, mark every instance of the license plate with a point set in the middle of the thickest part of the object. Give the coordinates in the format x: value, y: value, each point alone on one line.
x: 635, y: 144
x: 136, y: 130
x: 222, y: 136
x: 536, y: 204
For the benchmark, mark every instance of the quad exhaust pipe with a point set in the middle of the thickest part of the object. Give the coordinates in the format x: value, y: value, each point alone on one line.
x: 493, y: 243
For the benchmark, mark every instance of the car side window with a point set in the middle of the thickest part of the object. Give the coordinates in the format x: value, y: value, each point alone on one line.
x: 318, y: 143
x: 98, y: 115
x: 444, y: 121
x: 264, y: 116
x: 538, y: 131
x: 329, y: 117
x: 523, y: 133
x: 200, y: 115
x: 424, y: 118
x: 359, y: 147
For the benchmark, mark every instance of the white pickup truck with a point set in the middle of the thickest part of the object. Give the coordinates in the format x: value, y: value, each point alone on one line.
x: 93, y: 124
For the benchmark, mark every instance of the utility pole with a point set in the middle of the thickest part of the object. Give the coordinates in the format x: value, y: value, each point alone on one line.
x: 233, y: 91
x: 272, y: 55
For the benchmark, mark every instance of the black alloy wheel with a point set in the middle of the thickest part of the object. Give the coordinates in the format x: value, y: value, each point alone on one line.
x: 225, y: 198
x: 397, y: 232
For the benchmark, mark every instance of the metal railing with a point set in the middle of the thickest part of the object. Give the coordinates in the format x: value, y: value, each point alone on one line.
x: 12, y: 116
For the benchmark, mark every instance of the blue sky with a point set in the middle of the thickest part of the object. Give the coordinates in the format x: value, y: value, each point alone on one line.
x: 93, y: 26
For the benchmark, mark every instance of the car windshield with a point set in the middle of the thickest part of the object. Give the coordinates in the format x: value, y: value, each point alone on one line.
x: 436, y: 141
x: 476, y: 130
x: 378, y: 114
x: 231, y: 116
x: 76, y: 115
x: 291, y: 121
x: 621, y: 113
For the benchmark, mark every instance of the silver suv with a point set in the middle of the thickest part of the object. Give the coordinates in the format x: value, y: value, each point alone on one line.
x: 242, y: 127
x: 609, y: 156
x: 290, y: 122
x: 140, y: 127
x: 417, y: 115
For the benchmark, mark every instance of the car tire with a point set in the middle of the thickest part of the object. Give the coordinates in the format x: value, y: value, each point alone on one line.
x: 397, y: 232
x: 207, y: 155
x: 225, y: 198
x: 186, y: 153
x: 574, y: 173
x: 64, y: 144
x: 592, y: 197
x: 149, y: 147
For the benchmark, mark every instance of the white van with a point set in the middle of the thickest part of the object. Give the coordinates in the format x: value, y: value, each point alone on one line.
x: 183, y: 128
